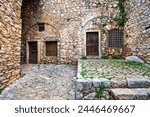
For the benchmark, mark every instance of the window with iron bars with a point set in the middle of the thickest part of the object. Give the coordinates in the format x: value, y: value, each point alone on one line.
x: 115, y: 38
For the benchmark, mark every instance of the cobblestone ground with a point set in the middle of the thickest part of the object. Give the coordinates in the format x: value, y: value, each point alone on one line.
x: 50, y: 82
x: 110, y: 69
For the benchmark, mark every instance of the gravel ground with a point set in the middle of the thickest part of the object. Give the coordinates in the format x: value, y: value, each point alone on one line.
x: 43, y: 82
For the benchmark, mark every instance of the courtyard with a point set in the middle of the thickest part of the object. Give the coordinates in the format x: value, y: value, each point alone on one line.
x: 122, y: 79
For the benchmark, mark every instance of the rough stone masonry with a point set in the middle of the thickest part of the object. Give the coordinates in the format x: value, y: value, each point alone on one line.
x: 10, y: 41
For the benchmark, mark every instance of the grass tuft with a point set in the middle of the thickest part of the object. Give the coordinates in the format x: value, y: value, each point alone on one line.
x: 1, y: 89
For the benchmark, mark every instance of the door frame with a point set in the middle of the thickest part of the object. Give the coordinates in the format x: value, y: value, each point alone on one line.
x: 27, y: 51
x: 99, y: 42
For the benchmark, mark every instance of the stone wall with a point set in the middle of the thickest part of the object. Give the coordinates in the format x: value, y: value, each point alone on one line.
x: 10, y: 37
x: 129, y: 89
x: 67, y: 22
x: 138, y: 28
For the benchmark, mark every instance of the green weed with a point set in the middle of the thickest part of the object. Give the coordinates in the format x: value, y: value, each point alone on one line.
x: 100, y: 91
x: 104, y: 56
x: 116, y: 57
x: 83, y: 73
x: 1, y: 89
x: 83, y: 57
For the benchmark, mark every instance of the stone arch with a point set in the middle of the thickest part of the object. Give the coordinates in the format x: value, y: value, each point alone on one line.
x: 98, y: 20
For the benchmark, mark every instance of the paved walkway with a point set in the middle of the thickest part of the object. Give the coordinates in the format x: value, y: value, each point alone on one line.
x: 52, y: 82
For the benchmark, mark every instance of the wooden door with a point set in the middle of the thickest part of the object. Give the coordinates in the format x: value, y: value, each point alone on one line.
x: 92, y: 46
x: 33, y: 52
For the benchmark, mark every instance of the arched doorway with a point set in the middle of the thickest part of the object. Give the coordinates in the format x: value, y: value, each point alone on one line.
x: 30, y: 15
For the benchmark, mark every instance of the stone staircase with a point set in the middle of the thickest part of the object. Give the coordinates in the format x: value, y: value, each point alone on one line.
x: 136, y: 89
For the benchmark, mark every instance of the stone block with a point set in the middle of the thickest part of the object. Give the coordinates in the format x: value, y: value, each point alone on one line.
x: 119, y: 83
x: 106, y: 82
x: 141, y: 94
x: 138, y: 82
x: 83, y: 84
x: 134, y: 58
x: 96, y: 82
x: 122, y: 94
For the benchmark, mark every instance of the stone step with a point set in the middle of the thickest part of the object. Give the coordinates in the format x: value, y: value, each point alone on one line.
x: 131, y: 83
x: 114, y: 83
x: 130, y: 94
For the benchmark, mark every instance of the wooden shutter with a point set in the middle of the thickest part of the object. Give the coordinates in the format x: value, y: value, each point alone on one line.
x: 51, y: 48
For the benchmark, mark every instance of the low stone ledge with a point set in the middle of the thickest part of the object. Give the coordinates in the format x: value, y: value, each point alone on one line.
x: 138, y: 83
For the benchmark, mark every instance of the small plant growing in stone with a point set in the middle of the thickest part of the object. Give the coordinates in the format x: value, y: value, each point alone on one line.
x: 104, y: 56
x: 100, y: 91
x: 84, y: 66
x: 116, y: 57
x: 91, y: 75
x: 121, y: 20
x: 84, y: 57
x: 83, y: 73
x: 1, y: 89
x: 45, y: 62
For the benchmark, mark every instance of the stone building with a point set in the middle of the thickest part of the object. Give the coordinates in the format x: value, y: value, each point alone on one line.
x: 61, y: 31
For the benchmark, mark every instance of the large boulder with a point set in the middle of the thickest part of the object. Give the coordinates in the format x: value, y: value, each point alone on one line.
x: 134, y: 58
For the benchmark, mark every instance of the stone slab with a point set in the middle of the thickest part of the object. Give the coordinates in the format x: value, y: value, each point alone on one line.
x: 97, y: 82
x: 122, y: 94
x: 119, y: 83
x: 106, y: 82
x: 138, y: 83
x: 130, y: 94
x: 141, y: 94
x: 83, y: 84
